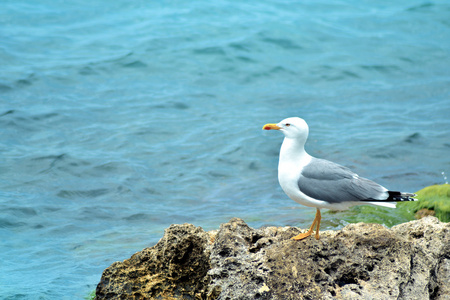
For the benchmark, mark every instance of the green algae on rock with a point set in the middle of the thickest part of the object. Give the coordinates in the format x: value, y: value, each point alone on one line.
x: 434, y: 197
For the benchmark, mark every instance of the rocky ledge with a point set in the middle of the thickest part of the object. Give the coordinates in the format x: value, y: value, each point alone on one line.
x: 361, y: 261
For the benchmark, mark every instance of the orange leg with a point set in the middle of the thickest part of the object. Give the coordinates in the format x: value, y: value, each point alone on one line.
x: 317, y: 219
x: 318, y: 223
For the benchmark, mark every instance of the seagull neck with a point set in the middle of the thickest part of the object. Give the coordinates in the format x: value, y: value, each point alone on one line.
x: 293, y: 150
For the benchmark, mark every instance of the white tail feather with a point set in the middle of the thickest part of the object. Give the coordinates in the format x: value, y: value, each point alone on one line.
x: 385, y: 204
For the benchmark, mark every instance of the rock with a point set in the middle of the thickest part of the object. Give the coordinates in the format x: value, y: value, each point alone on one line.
x: 424, y: 212
x: 176, y: 268
x: 361, y: 261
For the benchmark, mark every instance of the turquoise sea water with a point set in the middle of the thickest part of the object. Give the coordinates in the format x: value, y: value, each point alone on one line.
x: 120, y: 118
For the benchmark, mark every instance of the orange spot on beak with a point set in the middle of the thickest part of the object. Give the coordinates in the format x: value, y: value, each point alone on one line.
x: 271, y: 126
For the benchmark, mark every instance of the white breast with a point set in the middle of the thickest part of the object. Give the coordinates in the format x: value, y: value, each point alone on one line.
x: 290, y: 166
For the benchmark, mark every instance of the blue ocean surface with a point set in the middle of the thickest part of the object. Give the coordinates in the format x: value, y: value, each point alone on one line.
x: 120, y: 118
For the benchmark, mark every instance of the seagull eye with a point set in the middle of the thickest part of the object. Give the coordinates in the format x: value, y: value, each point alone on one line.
x: 288, y: 124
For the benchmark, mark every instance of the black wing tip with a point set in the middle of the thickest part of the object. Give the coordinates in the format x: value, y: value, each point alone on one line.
x: 399, y: 196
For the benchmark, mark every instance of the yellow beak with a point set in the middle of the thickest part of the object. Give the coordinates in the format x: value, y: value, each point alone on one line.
x: 271, y: 126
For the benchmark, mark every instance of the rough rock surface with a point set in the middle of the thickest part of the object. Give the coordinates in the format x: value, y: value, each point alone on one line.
x: 361, y: 261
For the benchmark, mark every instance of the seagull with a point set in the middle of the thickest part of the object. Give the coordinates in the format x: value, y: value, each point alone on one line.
x: 320, y: 183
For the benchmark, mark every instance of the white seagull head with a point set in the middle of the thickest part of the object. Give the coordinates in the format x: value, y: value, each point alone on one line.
x: 292, y: 128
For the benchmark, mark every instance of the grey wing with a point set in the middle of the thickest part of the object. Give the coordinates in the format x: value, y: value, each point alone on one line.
x: 327, y: 181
